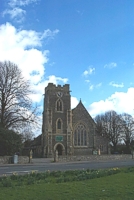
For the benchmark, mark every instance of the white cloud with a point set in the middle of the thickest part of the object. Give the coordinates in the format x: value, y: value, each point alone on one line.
x: 52, y: 63
x: 89, y: 71
x: 39, y: 89
x: 91, y: 87
x: 15, y: 10
x: 13, y: 3
x: 56, y: 80
x: 15, y: 46
x: 74, y: 102
x: 100, y: 107
x: 49, y: 33
x: 85, y: 73
x: 116, y: 85
x: 98, y: 85
x: 110, y: 65
x: 12, y: 38
x: 87, y: 81
x: 22, y: 48
x: 119, y: 101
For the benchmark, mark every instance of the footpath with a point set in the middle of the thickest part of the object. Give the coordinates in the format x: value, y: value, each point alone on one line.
x: 90, y: 158
x: 75, y: 159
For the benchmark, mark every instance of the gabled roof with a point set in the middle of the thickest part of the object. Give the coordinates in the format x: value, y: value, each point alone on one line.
x: 81, y: 108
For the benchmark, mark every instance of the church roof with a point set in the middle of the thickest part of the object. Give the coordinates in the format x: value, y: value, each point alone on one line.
x: 80, y: 105
x: 80, y: 108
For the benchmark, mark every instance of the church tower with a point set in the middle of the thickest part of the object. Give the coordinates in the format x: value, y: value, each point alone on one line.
x: 57, y: 120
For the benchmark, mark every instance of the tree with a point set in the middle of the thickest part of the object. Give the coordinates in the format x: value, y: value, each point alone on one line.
x: 109, y: 126
x: 10, y: 142
x: 99, y: 119
x: 127, y: 130
x: 27, y: 134
x: 16, y: 107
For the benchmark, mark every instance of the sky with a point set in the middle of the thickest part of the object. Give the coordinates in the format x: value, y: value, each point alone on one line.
x: 88, y: 44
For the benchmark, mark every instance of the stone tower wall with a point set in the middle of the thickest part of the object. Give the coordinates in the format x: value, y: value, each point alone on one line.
x: 54, y: 93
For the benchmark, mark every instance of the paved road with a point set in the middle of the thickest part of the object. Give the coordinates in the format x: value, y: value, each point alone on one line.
x: 46, y: 165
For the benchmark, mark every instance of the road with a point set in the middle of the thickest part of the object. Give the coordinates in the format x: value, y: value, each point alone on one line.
x: 43, y: 166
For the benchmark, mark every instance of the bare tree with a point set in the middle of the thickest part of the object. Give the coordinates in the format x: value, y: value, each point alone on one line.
x: 27, y: 134
x: 127, y: 129
x: 109, y: 126
x: 99, y: 119
x: 16, y: 107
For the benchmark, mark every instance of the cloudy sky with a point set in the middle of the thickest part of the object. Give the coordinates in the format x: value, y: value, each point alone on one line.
x: 88, y: 44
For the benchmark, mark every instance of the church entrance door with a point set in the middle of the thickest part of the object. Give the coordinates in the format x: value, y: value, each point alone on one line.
x: 59, y: 149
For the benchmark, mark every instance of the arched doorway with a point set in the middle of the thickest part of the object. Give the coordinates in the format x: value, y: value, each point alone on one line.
x: 59, y: 149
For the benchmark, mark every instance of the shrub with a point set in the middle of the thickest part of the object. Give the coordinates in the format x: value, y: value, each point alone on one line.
x: 58, y: 176
x: 6, y: 182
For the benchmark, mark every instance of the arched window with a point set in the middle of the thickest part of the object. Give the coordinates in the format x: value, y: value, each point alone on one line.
x: 82, y: 138
x: 75, y: 138
x: 80, y: 135
x: 59, y: 124
x: 59, y: 105
x: 85, y: 138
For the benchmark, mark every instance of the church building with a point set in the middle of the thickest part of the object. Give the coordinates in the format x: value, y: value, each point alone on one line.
x: 69, y: 131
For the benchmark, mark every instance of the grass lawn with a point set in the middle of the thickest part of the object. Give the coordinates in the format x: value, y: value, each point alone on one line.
x: 118, y: 186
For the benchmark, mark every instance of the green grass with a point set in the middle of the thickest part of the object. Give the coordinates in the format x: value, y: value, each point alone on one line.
x: 118, y: 186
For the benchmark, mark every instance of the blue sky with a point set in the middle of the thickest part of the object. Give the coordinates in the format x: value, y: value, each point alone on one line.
x: 88, y: 44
